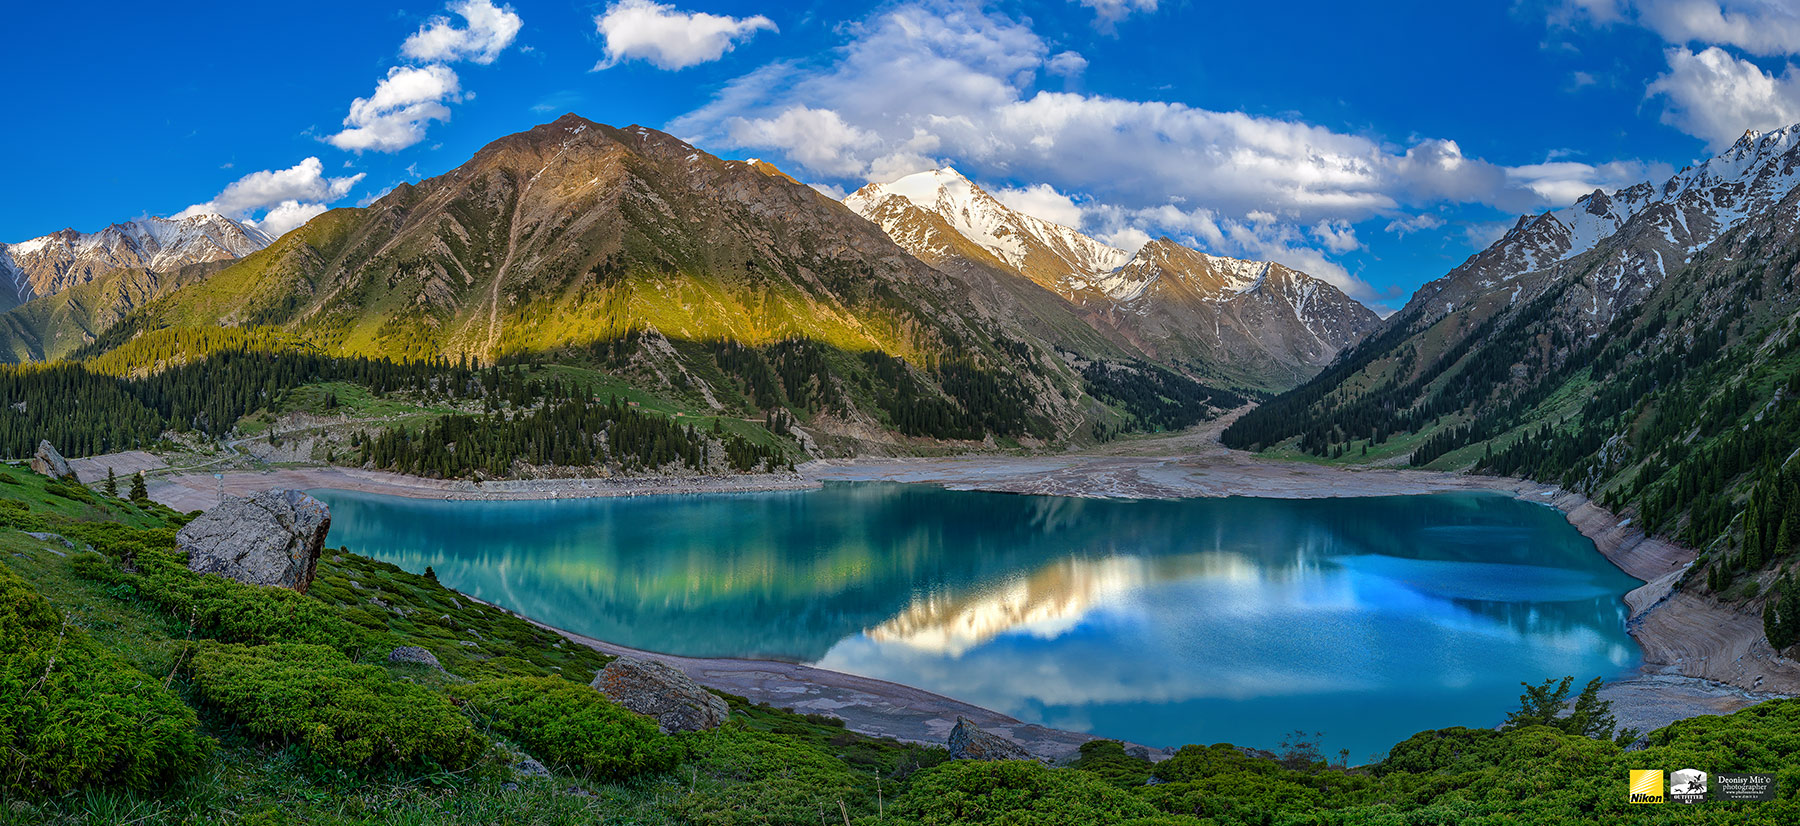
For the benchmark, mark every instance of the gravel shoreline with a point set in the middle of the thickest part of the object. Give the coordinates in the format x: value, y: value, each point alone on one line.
x: 1700, y: 657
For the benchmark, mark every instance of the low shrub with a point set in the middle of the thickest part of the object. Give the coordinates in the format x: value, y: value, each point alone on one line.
x: 571, y: 726
x: 1017, y: 793
x: 74, y: 715
x: 339, y: 714
x: 752, y: 777
x: 219, y: 608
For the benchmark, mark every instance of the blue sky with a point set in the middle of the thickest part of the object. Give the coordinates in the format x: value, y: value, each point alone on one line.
x: 1376, y: 145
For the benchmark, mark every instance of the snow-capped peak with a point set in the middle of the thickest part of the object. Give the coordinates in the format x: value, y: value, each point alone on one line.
x: 51, y: 263
x: 1027, y: 243
x: 1754, y: 173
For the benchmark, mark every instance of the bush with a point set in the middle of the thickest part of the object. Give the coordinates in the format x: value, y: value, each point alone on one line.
x: 339, y: 714
x: 571, y: 726
x: 74, y: 715
x: 1450, y: 750
x: 219, y: 608
x: 1017, y: 793
x: 1107, y: 760
x: 753, y: 777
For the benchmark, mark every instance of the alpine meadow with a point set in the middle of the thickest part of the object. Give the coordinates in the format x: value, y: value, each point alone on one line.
x: 937, y: 412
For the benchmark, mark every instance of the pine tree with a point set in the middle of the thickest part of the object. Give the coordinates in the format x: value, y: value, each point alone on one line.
x: 139, y: 492
x: 112, y: 484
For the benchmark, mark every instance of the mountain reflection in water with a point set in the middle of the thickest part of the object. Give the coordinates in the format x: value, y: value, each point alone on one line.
x: 1202, y: 620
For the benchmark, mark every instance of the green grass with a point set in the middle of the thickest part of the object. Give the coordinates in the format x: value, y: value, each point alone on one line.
x: 766, y: 766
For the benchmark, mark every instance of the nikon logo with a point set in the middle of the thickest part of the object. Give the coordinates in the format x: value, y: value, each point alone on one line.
x: 1647, y: 786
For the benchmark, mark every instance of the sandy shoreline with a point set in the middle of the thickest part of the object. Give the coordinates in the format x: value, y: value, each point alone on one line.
x: 1700, y: 657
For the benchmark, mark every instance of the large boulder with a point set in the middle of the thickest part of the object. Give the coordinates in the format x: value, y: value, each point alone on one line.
x: 416, y: 655
x: 969, y: 742
x: 662, y: 691
x: 271, y: 538
x: 50, y: 463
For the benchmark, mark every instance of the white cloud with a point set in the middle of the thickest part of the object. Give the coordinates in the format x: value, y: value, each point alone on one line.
x: 818, y: 139
x: 289, y: 196
x: 1108, y: 12
x: 1337, y: 236
x: 1405, y: 226
x: 1715, y: 96
x: 670, y: 39
x: 1041, y: 201
x: 490, y: 30
x: 1560, y: 183
x: 1760, y: 27
x: 1067, y: 64
x: 397, y: 114
x: 288, y: 215
x: 405, y: 102
x: 925, y: 84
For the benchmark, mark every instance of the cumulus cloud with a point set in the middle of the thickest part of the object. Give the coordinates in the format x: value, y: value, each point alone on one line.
x: 1760, y: 27
x: 1715, y: 96
x: 287, y: 197
x: 1108, y: 12
x: 1067, y: 64
x: 670, y: 39
x: 287, y: 215
x: 409, y: 98
x: 1408, y: 225
x: 403, y: 106
x: 1041, y: 201
x: 489, y: 30
x: 924, y: 84
x: 1336, y: 236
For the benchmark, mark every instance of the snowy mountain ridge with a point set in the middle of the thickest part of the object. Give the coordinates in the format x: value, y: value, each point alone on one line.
x: 51, y: 263
x: 1644, y: 231
x: 1254, y: 322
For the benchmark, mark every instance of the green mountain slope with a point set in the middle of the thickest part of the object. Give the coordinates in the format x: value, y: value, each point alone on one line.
x: 1665, y: 391
x: 723, y: 284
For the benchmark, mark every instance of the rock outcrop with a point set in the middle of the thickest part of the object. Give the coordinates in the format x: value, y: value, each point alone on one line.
x: 50, y: 463
x: 661, y: 691
x: 969, y: 742
x: 414, y: 654
x: 271, y: 538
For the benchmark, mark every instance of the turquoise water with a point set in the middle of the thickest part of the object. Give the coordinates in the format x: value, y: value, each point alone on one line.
x: 1194, y: 621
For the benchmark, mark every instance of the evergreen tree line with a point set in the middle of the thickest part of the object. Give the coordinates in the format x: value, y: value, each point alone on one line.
x: 84, y: 412
x: 569, y: 430
x: 974, y: 401
x: 1781, y: 615
x: 789, y: 373
x: 1156, y: 399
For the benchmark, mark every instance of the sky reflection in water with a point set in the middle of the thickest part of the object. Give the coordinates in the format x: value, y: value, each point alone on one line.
x: 1201, y: 621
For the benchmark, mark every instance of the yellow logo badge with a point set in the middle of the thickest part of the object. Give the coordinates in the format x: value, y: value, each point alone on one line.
x: 1647, y: 786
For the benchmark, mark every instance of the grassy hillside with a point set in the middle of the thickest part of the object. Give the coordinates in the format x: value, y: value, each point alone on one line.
x: 137, y: 692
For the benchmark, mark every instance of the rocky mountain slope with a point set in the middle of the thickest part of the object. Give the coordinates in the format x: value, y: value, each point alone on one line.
x: 1641, y: 347
x: 1251, y: 323
x: 724, y: 282
x: 52, y: 263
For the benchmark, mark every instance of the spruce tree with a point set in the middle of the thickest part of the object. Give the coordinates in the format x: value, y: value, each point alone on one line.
x: 139, y: 493
x: 112, y: 484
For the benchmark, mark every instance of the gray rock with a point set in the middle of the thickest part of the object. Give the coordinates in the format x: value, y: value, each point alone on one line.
x: 53, y: 538
x: 530, y: 768
x: 969, y: 742
x: 50, y: 463
x: 414, y: 654
x: 662, y: 691
x: 271, y: 538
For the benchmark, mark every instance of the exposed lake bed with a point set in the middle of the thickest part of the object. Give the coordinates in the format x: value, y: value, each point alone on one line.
x: 1159, y: 622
